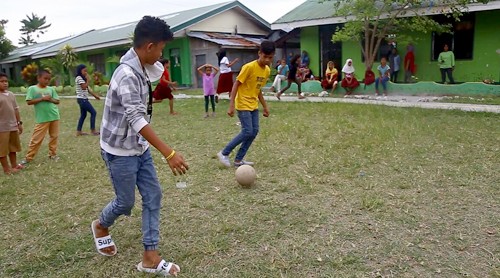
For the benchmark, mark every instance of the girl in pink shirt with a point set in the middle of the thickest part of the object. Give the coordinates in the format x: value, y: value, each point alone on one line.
x: 208, y: 86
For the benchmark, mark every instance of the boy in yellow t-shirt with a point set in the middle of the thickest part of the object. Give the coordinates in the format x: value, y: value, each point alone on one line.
x: 245, y: 97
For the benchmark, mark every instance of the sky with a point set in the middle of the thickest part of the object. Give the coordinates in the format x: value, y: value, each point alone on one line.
x: 74, y: 17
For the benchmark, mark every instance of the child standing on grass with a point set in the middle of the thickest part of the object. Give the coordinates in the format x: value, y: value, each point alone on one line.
x: 82, y: 97
x: 208, y: 86
x: 245, y: 97
x: 165, y: 87
x: 10, y: 128
x: 45, y: 101
x: 125, y: 138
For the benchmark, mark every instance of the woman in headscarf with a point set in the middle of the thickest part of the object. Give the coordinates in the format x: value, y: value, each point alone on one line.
x: 82, y: 97
x: 225, y: 84
x: 349, y: 82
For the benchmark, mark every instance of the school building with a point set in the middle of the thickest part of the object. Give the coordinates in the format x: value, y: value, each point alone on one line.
x: 474, y: 41
x: 198, y: 35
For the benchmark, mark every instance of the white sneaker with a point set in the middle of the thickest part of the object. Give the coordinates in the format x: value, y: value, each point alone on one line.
x: 224, y: 159
x: 243, y: 162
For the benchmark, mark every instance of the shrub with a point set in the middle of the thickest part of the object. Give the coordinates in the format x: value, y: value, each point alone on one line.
x: 29, y: 73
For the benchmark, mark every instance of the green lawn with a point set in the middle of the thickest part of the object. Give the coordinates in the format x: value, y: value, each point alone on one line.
x: 343, y: 190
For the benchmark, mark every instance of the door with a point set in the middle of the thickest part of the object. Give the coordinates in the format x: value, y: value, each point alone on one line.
x: 175, y: 65
x: 200, y: 60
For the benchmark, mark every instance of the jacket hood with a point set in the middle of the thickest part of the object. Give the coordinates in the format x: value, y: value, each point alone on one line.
x: 131, y: 59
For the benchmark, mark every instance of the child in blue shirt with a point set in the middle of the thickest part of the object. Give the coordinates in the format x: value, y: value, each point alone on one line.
x: 384, y: 74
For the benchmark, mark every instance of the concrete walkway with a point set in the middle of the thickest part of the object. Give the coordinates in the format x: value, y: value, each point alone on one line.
x: 395, y: 101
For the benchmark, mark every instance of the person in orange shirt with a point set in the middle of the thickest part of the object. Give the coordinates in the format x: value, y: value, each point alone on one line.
x: 245, y: 97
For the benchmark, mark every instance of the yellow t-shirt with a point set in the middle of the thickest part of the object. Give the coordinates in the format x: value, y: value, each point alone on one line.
x: 330, y: 72
x: 252, y: 77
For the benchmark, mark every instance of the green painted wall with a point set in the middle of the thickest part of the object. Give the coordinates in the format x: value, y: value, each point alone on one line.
x: 185, y: 60
x: 352, y: 50
x: 309, y: 41
x: 485, y: 63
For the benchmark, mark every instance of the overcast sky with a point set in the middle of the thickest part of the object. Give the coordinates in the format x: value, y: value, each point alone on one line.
x: 73, y: 17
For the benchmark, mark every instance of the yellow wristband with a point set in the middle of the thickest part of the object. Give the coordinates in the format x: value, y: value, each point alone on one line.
x: 171, y: 155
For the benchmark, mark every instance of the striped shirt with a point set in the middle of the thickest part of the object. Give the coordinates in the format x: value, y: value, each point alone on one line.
x: 80, y: 92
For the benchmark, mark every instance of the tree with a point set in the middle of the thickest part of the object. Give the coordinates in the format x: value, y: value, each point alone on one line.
x: 68, y: 58
x: 6, y: 45
x: 33, y: 25
x: 56, y: 68
x: 371, y: 21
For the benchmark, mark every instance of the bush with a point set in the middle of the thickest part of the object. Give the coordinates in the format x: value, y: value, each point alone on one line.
x: 67, y: 89
x: 29, y: 73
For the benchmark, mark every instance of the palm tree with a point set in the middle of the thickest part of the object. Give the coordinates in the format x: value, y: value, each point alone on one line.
x: 31, y: 26
x: 68, y: 58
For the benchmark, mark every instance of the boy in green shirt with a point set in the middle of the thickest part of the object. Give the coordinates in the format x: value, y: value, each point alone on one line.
x: 446, y: 61
x: 45, y: 100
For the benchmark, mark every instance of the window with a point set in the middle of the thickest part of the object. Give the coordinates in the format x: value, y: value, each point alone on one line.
x: 460, y: 40
x: 99, y: 62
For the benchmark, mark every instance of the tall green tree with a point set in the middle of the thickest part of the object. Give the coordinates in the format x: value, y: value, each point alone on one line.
x: 32, y: 26
x: 68, y: 58
x: 6, y: 45
x: 370, y: 21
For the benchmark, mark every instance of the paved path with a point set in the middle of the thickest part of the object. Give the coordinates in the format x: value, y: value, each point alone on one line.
x: 396, y: 101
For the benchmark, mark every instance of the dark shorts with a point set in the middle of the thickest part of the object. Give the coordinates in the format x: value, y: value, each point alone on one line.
x: 162, y: 92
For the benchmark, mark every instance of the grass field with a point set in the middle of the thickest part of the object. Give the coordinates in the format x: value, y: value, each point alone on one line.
x: 343, y: 190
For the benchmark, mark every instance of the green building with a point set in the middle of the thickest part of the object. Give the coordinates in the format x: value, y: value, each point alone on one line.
x: 474, y: 41
x: 198, y: 35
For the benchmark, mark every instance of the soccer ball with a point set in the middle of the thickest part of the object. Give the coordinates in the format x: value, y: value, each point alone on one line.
x: 245, y: 175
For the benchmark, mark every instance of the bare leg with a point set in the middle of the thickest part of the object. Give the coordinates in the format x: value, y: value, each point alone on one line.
x: 171, y: 105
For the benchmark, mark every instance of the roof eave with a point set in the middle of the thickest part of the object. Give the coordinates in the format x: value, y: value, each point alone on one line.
x: 288, y: 26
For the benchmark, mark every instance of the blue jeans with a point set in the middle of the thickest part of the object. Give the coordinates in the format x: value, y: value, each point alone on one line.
x: 86, y: 106
x: 384, y: 80
x: 126, y: 172
x: 249, y: 129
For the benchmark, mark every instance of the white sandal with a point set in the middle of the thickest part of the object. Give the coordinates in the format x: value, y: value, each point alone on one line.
x: 102, y: 242
x: 162, y: 269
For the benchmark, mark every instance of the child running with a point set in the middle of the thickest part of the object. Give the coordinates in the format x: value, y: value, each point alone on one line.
x: 125, y: 138
x: 10, y: 128
x: 165, y: 87
x: 245, y: 97
x: 45, y: 100
x: 208, y: 86
x: 292, y: 77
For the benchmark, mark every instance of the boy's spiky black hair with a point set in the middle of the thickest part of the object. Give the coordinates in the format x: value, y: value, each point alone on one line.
x: 151, y: 30
x: 267, y: 47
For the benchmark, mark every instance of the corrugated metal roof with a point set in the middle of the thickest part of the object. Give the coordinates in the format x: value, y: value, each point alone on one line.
x: 121, y: 34
x: 310, y: 9
x: 26, y: 51
x: 227, y: 40
x: 313, y: 12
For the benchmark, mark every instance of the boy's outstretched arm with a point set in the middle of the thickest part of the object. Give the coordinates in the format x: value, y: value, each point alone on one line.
x: 176, y: 162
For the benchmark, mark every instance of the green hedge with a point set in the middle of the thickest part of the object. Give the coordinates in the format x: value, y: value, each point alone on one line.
x: 63, y: 91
